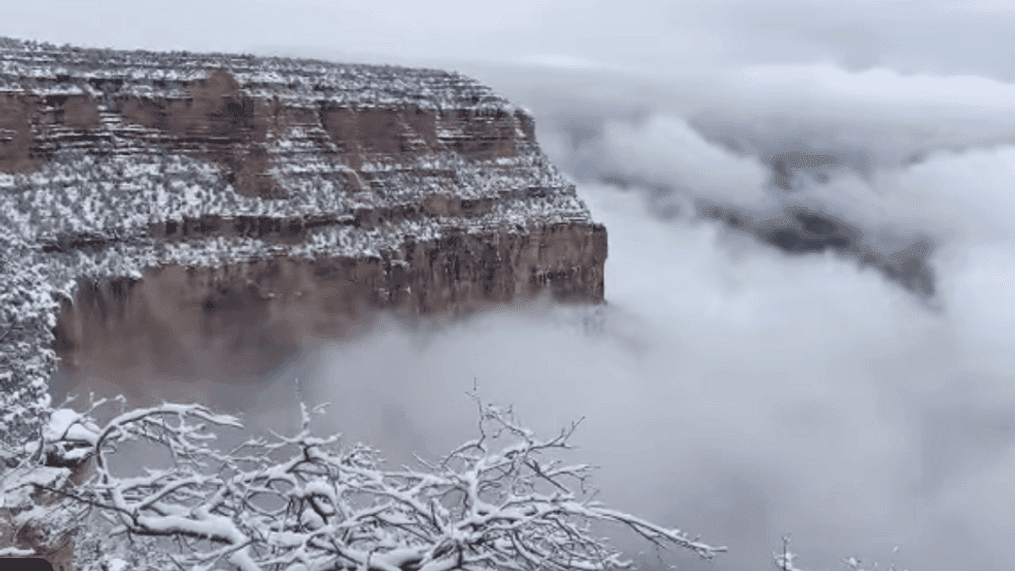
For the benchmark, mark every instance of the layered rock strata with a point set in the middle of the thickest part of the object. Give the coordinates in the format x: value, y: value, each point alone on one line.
x: 147, y: 197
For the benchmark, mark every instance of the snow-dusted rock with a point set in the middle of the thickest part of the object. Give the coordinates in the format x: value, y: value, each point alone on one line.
x: 229, y: 188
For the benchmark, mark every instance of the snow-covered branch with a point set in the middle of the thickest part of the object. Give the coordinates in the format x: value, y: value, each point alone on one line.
x: 306, y: 502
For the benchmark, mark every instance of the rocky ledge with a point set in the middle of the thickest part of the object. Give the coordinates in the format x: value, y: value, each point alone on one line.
x: 147, y: 198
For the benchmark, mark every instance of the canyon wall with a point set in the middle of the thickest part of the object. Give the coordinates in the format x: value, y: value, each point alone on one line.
x: 152, y: 197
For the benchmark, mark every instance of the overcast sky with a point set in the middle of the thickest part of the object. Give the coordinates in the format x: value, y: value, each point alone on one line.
x: 940, y: 37
x: 732, y: 387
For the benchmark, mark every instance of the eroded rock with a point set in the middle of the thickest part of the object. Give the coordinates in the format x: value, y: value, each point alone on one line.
x: 153, y: 198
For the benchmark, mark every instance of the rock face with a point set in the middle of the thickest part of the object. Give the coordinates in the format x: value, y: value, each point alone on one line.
x: 148, y: 197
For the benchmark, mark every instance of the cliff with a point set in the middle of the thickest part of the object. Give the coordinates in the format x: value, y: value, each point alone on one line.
x: 148, y: 198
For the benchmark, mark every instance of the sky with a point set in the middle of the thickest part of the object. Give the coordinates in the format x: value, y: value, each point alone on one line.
x: 809, y: 287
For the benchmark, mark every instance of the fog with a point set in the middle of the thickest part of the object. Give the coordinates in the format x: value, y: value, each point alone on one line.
x: 810, y: 280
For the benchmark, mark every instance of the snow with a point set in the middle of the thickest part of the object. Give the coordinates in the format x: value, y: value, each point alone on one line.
x: 17, y: 485
x: 388, y: 519
x: 15, y: 552
x: 67, y: 424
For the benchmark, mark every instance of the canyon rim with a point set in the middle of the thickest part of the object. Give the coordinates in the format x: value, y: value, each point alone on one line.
x: 153, y: 202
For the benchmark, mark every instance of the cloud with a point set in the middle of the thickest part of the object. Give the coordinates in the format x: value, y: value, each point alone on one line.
x: 559, y: 60
x: 651, y: 36
x: 874, y: 421
x: 804, y: 158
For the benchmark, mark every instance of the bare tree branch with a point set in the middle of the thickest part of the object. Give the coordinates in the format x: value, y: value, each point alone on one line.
x: 335, y: 507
